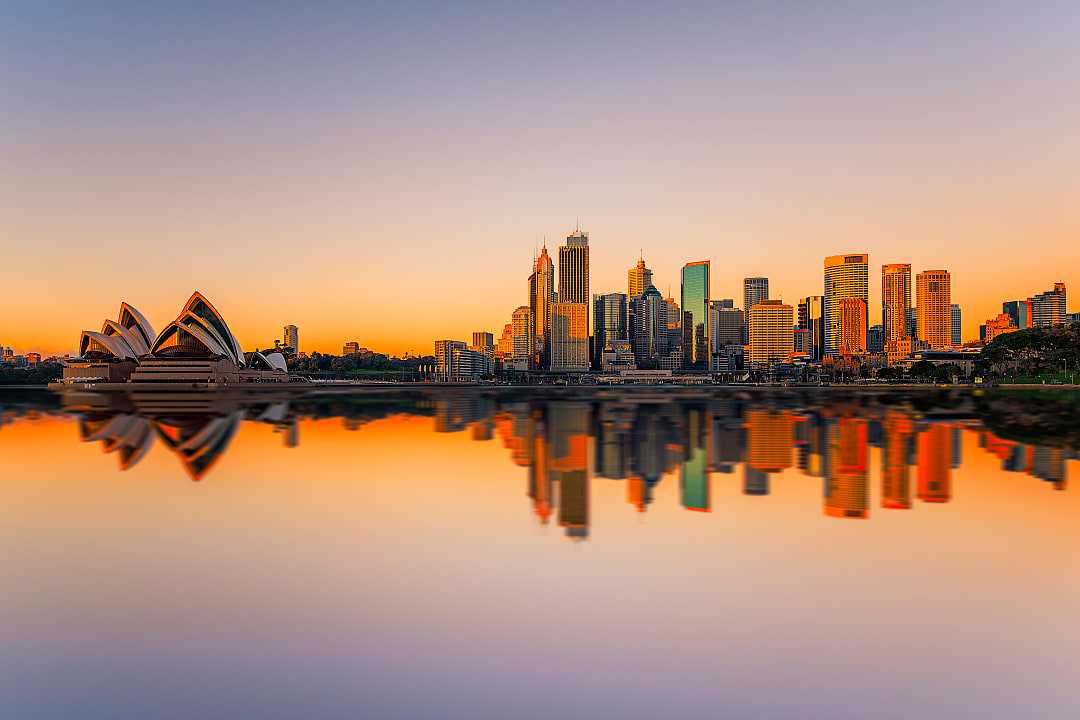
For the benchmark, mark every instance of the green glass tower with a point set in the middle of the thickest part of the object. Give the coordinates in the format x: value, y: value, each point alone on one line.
x: 695, y: 307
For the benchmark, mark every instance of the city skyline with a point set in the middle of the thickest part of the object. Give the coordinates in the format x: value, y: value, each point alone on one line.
x: 379, y: 153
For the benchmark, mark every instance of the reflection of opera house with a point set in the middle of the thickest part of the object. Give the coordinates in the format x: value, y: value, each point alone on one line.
x: 197, y: 348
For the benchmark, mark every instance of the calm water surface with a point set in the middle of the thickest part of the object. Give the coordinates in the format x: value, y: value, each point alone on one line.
x: 468, y: 556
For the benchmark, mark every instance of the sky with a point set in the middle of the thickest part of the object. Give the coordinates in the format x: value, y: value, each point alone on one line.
x: 384, y: 172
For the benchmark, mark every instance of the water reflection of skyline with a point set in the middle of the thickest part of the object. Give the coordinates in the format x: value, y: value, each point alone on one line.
x: 566, y: 444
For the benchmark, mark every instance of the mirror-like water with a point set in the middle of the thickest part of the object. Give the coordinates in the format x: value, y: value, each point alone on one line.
x: 487, y: 555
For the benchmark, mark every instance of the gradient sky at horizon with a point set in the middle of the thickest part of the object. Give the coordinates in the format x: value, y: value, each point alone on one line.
x: 383, y: 172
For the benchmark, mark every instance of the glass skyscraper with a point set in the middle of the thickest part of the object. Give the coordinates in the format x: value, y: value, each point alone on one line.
x: 695, y: 308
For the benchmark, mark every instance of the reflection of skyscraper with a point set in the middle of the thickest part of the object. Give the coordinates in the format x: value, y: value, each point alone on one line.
x: 934, y: 456
x: 693, y: 475
x: 846, y: 489
x: 755, y: 482
x: 769, y: 439
x: 895, y: 483
x: 568, y: 430
x: 845, y: 277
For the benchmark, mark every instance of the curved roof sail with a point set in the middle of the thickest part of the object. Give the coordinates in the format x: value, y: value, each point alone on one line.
x: 133, y: 319
x: 198, y: 305
x: 113, y: 345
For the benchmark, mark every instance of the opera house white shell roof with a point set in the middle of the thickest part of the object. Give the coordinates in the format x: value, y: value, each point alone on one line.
x: 199, y: 331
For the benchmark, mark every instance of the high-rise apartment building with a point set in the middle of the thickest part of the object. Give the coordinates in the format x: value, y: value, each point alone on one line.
x: 852, y: 326
x: 695, y: 307
x: 523, y: 332
x: 609, y: 320
x: 1049, y: 308
x: 812, y: 320
x: 896, y: 309
x: 483, y: 343
x: 444, y: 357
x: 933, y: 306
x: 846, y: 276
x: 638, y: 280
x: 292, y: 337
x: 957, y: 326
x: 771, y: 327
x: 541, y: 298
x: 570, y: 337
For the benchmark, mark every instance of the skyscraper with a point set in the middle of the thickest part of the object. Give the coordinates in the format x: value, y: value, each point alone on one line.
x: 933, y: 306
x: 755, y: 289
x: 292, y: 337
x: 1019, y: 311
x: 541, y: 297
x: 895, y: 308
x: 957, y: 328
x: 483, y: 343
x: 695, y: 307
x: 609, y: 318
x: 524, y: 337
x: 574, y: 268
x: 852, y: 326
x: 771, y: 332
x: 570, y: 337
x: 647, y: 322
x: 1049, y: 308
x: 812, y: 320
x: 845, y: 276
x: 639, y: 278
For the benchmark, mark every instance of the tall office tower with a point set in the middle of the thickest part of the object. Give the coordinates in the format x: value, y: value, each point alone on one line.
x: 957, y: 328
x: 609, y: 319
x: 673, y: 330
x: 755, y: 289
x: 812, y: 320
x: 852, y: 326
x: 444, y: 357
x: 933, y: 305
x: 505, y: 347
x: 725, y: 331
x: 895, y: 309
x: 541, y: 297
x: 771, y: 332
x: 1049, y: 308
x: 639, y: 278
x: 647, y: 321
x: 1019, y: 311
x: 935, y: 454
x: 524, y: 337
x: 570, y: 337
x: 846, y: 276
x: 847, y: 492
x: 483, y: 343
x: 724, y: 303
x: 574, y: 268
x: 1000, y: 325
x: 292, y: 337
x: 695, y: 307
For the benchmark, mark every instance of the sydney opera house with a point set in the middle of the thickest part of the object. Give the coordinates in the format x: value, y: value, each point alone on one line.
x: 196, y: 349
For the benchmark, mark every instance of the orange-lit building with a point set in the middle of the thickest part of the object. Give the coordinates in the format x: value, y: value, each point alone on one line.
x: 895, y: 475
x: 895, y: 309
x: 933, y: 305
x: 770, y: 438
x: 1001, y: 325
x: 847, y: 487
x: 935, y: 460
x: 771, y: 332
x: 852, y: 326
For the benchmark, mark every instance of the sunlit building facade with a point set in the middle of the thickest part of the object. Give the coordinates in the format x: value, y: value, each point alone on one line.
x: 541, y: 298
x: 570, y: 337
x: 771, y: 326
x: 852, y: 326
x: 1000, y: 325
x: 933, y: 304
x: 846, y: 276
x: 638, y: 280
x: 896, y: 309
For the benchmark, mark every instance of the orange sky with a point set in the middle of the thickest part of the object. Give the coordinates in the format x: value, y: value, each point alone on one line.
x: 385, y: 179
